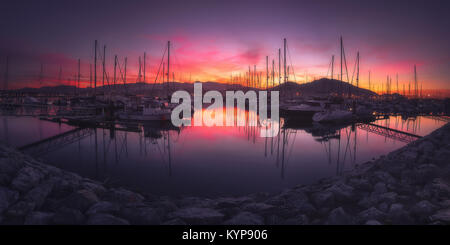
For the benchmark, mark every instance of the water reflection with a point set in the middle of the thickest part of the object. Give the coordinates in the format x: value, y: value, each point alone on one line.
x: 209, y: 161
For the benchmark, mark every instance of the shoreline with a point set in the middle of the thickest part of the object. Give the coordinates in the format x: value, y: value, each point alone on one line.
x: 410, y: 185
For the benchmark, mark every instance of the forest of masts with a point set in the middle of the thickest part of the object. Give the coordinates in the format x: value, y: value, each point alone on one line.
x: 277, y: 72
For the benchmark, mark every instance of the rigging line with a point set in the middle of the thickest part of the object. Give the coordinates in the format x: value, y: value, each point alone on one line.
x: 345, y: 63
x: 353, y: 74
x: 290, y: 59
x: 329, y: 67
x: 159, y: 69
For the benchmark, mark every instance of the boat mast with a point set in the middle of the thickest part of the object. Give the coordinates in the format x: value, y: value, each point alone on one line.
x: 125, y: 74
x: 104, y: 63
x: 41, y: 75
x: 398, y: 91
x: 6, y: 73
x: 415, y: 82
x: 285, y: 75
x: 168, y: 65
x: 164, y: 85
x: 273, y: 73
x: 79, y: 75
x: 248, y: 77
x: 115, y: 67
x: 144, y: 66
x: 279, y: 66
x: 340, y: 90
x: 267, y: 72
x: 357, y: 71
x: 255, y: 77
x: 60, y: 75
x: 332, y: 66
x: 140, y: 67
x: 95, y: 68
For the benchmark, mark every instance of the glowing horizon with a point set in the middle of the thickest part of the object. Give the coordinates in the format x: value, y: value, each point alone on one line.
x: 224, y: 41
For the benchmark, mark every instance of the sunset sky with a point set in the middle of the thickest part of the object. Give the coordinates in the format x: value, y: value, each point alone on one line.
x: 214, y: 39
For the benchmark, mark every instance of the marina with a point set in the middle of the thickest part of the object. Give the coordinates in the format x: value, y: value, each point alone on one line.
x: 161, y: 159
x: 225, y: 113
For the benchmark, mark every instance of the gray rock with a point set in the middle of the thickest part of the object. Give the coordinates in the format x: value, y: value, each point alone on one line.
x: 80, y: 200
x: 373, y: 222
x: 195, y: 202
x: 342, y: 192
x: 383, y: 207
x: 38, y: 194
x: 382, y: 176
x: 425, y: 173
x: 94, y: 187
x: 323, y: 199
x: 260, y: 208
x: 360, y: 184
x: 68, y: 216
x: 338, y: 216
x: 20, y: 209
x: 293, y: 220
x: 426, y: 147
x: 105, y: 219
x: 398, y: 215
x: 198, y: 216
x: 123, y: 196
x: 7, y: 198
x: 10, y: 166
x: 423, y: 208
x: 174, y: 222
x: 395, y: 208
x: 39, y: 218
x: 103, y: 207
x: 26, y: 178
x: 5, y: 179
x: 141, y: 215
x: 164, y: 205
x: 445, y: 204
x: 379, y: 188
x: 245, y: 218
x: 296, y: 220
x: 409, y: 155
x: 441, y: 157
x: 440, y: 188
x: 442, y: 215
x: 229, y: 202
x: 371, y: 213
x: 388, y: 197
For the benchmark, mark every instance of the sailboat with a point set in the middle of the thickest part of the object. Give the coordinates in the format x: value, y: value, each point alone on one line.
x: 335, y: 115
x: 152, y: 109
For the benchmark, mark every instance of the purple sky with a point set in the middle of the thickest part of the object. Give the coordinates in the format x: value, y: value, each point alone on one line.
x: 214, y: 39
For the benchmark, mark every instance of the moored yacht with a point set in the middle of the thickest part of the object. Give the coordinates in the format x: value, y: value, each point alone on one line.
x: 304, y: 110
x: 154, y: 110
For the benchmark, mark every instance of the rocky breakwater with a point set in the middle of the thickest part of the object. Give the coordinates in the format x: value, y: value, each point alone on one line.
x: 408, y: 186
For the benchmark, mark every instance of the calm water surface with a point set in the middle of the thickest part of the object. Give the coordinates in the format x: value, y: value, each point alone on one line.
x: 211, y: 161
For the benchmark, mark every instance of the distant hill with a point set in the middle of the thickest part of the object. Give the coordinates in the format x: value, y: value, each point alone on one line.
x: 48, y: 89
x: 324, y: 87
x: 321, y: 87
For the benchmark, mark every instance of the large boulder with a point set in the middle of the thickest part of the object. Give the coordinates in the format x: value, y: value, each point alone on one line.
x: 245, y: 218
x: 198, y: 216
x: 106, y: 219
x: 26, y: 178
x: 7, y: 198
x: 338, y: 216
